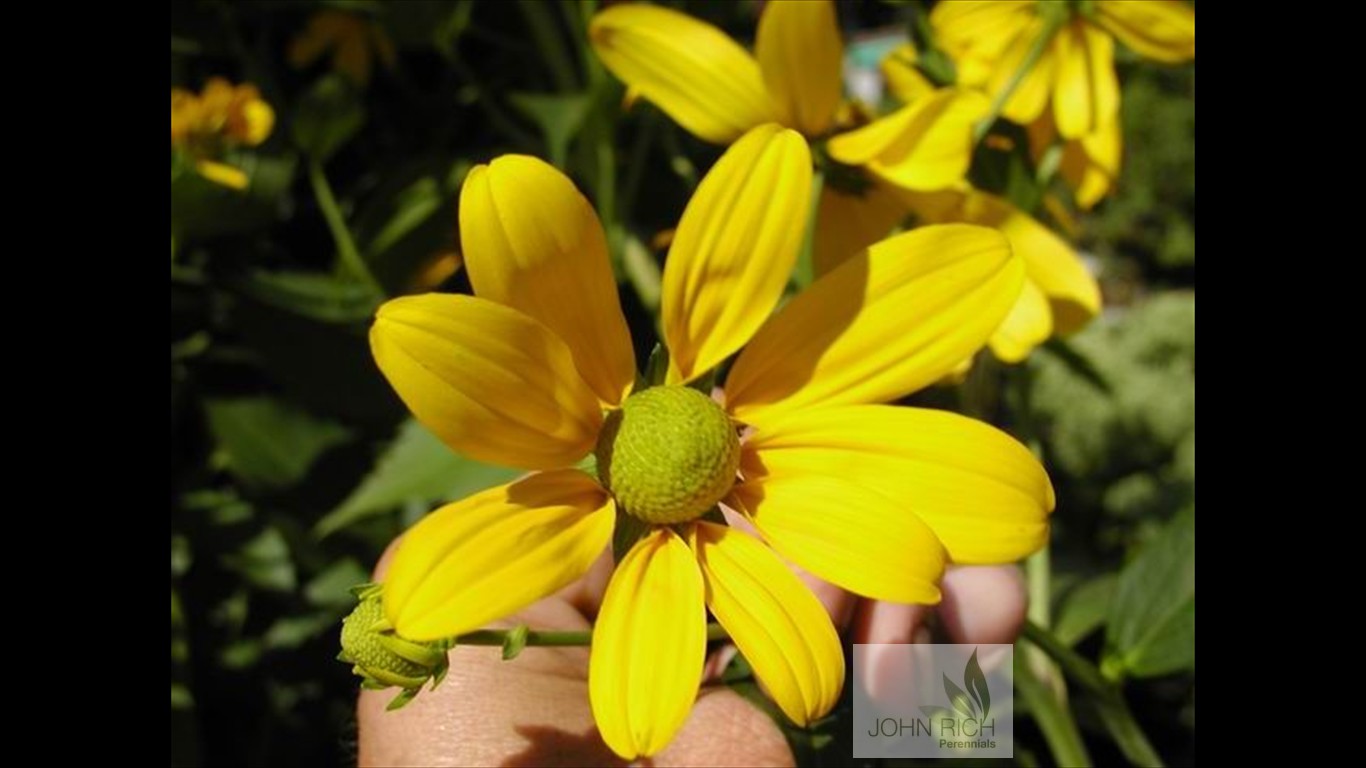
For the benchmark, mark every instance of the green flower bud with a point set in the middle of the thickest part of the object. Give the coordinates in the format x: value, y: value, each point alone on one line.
x: 380, y: 657
x: 668, y: 454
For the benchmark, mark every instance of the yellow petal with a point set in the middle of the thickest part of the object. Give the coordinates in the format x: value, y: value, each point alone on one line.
x: 533, y: 243
x: 801, y: 58
x: 1050, y: 263
x: 494, y: 553
x: 258, y: 119
x: 887, y: 322
x: 846, y: 223
x: 845, y: 533
x: 734, y: 249
x: 904, y: 80
x: 1091, y: 165
x: 776, y: 622
x: 1159, y: 29
x: 1031, y: 94
x: 1086, y: 95
x: 982, y: 492
x: 690, y: 69
x: 1028, y: 325
x: 926, y: 145
x: 982, y: 29
x: 648, y: 645
x: 222, y: 173
x: 491, y: 382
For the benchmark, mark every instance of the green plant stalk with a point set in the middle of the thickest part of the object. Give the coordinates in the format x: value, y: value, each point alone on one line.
x: 546, y: 638
x: 1038, y: 578
x: 350, y: 256
x: 1110, y: 703
x: 1036, y: 51
x: 1052, y: 716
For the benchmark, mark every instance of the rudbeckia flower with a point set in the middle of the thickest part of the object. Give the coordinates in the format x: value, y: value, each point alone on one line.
x: 1065, y: 48
x: 716, y: 90
x: 536, y: 370
x: 221, y: 116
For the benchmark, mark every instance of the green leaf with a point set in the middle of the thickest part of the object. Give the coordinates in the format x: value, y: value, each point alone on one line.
x: 1083, y: 610
x: 411, y: 207
x: 317, y: 296
x: 1151, y: 629
x: 514, y: 642
x: 266, y: 443
x: 333, y: 587
x: 295, y: 630
x: 329, y: 115
x: 264, y: 561
x: 415, y: 466
x: 559, y: 117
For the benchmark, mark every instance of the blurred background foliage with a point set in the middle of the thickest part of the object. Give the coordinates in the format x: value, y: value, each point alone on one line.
x: 293, y: 464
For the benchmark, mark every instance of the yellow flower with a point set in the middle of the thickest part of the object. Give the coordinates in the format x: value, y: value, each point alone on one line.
x: 536, y: 370
x: 715, y: 89
x: 353, y: 41
x: 992, y: 40
x: 219, y: 117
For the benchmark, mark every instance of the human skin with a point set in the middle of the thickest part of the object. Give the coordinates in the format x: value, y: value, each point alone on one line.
x: 534, y: 710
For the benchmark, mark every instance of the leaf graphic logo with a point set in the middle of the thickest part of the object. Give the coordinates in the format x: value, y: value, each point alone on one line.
x: 973, y: 703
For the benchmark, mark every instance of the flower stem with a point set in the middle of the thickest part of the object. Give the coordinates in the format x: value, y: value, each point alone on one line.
x: 351, y: 259
x: 1052, y: 716
x: 1110, y: 703
x: 1036, y: 51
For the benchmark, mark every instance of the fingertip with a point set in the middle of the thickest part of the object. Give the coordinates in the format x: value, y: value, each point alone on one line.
x: 983, y: 603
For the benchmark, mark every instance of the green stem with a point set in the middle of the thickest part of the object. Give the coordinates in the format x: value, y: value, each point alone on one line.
x: 351, y: 259
x: 1052, y: 716
x: 1036, y: 51
x: 548, y: 638
x: 1038, y: 573
x: 1110, y: 703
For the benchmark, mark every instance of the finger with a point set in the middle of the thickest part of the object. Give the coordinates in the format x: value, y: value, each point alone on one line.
x: 983, y: 604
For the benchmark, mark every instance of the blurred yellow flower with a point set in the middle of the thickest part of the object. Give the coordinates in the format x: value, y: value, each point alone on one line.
x: 717, y: 90
x: 219, y: 117
x: 1059, y: 52
x: 1089, y: 165
x: 353, y: 41
x: 537, y: 371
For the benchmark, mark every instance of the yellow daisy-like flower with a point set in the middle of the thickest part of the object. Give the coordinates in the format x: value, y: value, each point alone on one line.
x: 1071, y: 45
x: 536, y: 370
x: 219, y: 117
x: 355, y: 42
x: 716, y: 90
x: 1060, y: 295
x: 1089, y: 165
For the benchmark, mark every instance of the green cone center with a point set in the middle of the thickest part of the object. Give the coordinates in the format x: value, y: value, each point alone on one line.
x: 668, y: 454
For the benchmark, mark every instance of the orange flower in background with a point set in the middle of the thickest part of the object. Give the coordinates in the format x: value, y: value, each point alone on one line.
x: 220, y: 117
x: 354, y: 42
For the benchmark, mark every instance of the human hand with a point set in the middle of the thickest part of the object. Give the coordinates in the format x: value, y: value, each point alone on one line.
x: 535, y: 711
